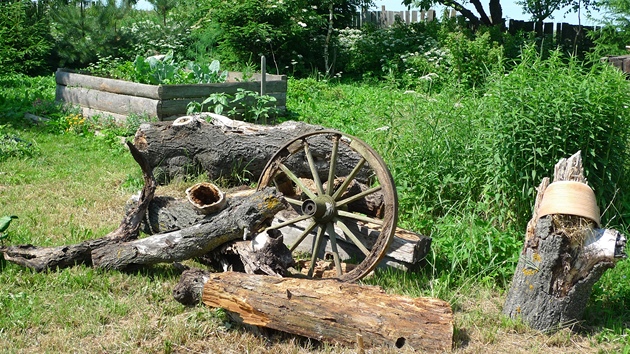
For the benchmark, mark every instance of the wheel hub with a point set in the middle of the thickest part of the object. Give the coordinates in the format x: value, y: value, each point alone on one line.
x: 321, y: 208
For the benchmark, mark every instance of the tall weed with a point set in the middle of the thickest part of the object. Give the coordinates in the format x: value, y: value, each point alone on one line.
x: 547, y: 109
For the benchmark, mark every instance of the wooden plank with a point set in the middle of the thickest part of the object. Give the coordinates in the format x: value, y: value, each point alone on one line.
x: 407, y: 247
x: 66, y: 78
x: 332, y: 311
x: 414, y: 16
x: 106, y: 101
x: 168, y: 92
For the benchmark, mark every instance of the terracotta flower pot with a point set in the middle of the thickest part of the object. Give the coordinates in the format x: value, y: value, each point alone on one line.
x: 572, y: 198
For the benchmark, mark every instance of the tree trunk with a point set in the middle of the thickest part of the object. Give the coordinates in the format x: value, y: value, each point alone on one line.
x: 563, y: 256
x: 325, y: 310
x: 223, y: 148
x: 237, y: 221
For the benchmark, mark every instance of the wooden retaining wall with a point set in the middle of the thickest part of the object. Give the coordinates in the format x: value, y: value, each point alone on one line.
x: 121, y: 98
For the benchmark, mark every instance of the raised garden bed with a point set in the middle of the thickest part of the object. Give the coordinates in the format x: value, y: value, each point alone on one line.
x: 118, y: 98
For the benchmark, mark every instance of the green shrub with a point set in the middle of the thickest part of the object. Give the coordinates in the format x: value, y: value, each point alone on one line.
x: 472, y: 61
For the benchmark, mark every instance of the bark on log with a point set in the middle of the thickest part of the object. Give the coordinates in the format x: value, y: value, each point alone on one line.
x: 42, y: 258
x: 563, y: 256
x: 223, y: 148
x: 238, y: 220
x: 326, y: 310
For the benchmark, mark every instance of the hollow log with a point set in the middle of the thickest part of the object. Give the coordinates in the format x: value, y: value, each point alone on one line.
x: 42, y: 258
x: 325, y: 310
x: 563, y: 256
x: 238, y: 220
x: 223, y: 148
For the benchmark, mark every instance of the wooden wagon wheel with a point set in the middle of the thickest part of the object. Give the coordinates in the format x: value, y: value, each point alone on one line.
x: 330, y: 206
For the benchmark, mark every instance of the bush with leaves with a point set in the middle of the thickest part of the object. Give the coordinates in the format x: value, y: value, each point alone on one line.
x: 149, y: 37
x: 374, y: 52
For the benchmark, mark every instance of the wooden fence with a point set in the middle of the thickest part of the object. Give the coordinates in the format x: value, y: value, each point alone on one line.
x: 563, y: 34
x: 386, y: 18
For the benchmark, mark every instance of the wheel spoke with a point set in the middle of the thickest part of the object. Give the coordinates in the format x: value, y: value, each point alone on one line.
x: 352, y: 237
x: 288, y: 222
x: 311, y: 164
x: 315, y: 250
x: 297, y: 181
x: 303, y: 236
x: 294, y: 201
x: 360, y: 217
x: 358, y: 196
x: 333, y: 165
x: 332, y: 236
x: 349, y: 179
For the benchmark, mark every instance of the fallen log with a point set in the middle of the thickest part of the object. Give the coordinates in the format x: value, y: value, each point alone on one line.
x: 563, y: 256
x: 121, y: 249
x: 42, y: 258
x: 240, y: 219
x: 223, y: 148
x: 406, y: 251
x: 326, y: 310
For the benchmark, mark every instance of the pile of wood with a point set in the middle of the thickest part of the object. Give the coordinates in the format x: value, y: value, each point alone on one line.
x: 229, y: 240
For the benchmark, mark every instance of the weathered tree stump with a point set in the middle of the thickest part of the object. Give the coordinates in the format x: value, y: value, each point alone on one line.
x: 223, y: 148
x: 563, y: 256
x: 326, y: 310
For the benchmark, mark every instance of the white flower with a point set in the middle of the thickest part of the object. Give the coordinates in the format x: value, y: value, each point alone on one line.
x: 301, y: 23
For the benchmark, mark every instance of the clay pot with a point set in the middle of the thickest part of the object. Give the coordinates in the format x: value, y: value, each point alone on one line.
x: 206, y: 197
x: 572, y: 198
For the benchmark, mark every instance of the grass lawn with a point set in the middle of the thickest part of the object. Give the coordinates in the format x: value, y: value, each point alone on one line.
x: 74, y: 188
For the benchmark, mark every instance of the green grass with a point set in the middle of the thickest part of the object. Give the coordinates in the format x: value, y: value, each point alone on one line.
x: 74, y: 186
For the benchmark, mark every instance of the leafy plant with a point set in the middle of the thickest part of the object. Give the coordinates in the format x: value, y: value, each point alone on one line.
x: 160, y: 69
x: 12, y: 145
x: 248, y: 105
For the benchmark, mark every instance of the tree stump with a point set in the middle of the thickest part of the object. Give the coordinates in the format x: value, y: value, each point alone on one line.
x: 326, y: 310
x: 563, y: 256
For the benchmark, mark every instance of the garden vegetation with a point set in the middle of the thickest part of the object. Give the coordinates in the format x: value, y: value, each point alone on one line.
x: 468, y: 122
